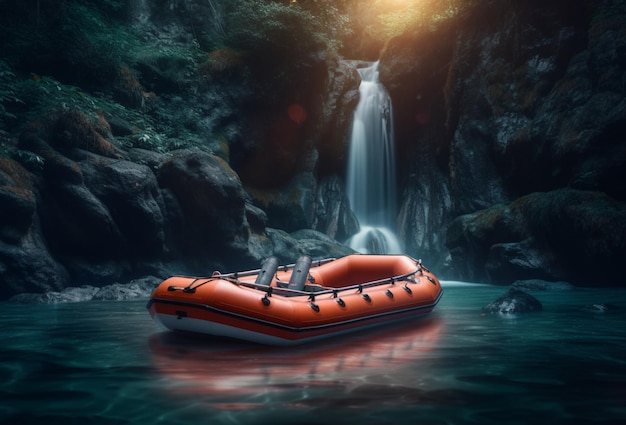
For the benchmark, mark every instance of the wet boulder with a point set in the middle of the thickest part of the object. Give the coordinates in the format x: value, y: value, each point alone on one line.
x: 542, y: 285
x: 512, y: 302
x: 71, y: 294
x: 135, y: 289
x: 210, y: 199
x: 17, y: 198
x: 561, y: 235
x: 290, y: 207
x: 25, y: 261
x: 333, y: 215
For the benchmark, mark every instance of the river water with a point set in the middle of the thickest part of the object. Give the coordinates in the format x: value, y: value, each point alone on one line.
x: 108, y: 363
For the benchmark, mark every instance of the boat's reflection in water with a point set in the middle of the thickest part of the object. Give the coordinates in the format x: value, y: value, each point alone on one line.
x: 232, y: 374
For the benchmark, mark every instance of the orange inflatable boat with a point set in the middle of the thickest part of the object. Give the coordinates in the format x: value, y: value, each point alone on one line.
x: 301, y: 302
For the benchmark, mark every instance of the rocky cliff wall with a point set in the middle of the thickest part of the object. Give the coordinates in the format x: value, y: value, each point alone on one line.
x: 509, y: 125
x: 515, y: 107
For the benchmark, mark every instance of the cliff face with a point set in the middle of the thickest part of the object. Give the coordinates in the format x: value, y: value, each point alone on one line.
x: 135, y: 152
x: 139, y: 153
x: 520, y: 106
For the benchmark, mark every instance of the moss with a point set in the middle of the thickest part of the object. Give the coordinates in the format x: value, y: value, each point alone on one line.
x: 16, y: 174
x: 222, y: 61
x: 264, y: 198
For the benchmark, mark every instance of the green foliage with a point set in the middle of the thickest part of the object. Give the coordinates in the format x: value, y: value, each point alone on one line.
x: 276, y: 42
x: 100, y: 44
x: 268, y: 28
x: 8, y: 94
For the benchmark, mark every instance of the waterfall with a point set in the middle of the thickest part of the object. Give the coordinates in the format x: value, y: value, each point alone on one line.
x: 371, y: 178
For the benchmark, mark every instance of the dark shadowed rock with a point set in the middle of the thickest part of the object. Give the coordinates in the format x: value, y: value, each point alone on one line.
x: 257, y: 218
x: 138, y: 288
x: 67, y: 295
x: 333, y: 214
x: 211, y: 199
x: 541, y: 285
x: 131, y: 195
x: 17, y: 200
x: 510, y: 100
x: 288, y: 247
x: 513, y: 301
x: 318, y: 245
x: 25, y: 261
x: 290, y: 207
x: 335, y: 120
x: 562, y: 235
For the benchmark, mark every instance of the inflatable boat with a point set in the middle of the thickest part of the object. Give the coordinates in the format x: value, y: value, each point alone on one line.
x: 298, y: 303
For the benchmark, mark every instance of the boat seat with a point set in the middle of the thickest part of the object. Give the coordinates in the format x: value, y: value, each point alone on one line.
x: 267, y: 272
x: 300, y: 273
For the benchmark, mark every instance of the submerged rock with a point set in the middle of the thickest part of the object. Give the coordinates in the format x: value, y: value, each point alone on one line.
x: 514, y: 301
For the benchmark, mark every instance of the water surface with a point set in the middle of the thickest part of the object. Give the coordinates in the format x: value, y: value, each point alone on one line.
x: 108, y: 363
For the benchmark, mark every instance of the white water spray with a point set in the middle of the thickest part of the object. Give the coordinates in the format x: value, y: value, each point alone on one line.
x: 371, y: 169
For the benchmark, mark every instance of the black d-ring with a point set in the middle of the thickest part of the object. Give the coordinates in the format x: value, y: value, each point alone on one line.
x: 315, y: 307
x: 367, y: 298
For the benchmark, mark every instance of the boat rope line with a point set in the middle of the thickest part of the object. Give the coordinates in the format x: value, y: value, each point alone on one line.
x: 234, y: 278
x: 409, y: 277
x: 294, y: 329
x: 269, y: 290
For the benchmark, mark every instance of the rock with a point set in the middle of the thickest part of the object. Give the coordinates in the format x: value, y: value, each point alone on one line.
x: 562, y: 235
x: 288, y: 247
x: 131, y: 194
x: 486, y: 113
x: 26, y: 263
x: 70, y: 129
x: 290, y: 207
x: 520, y: 259
x: 28, y: 266
x: 512, y: 302
x: 542, y: 285
x: 138, y: 288
x: 332, y: 132
x: 17, y: 200
x: 67, y: 295
x: 333, y: 215
x: 256, y: 217
x: 211, y: 200
x: 318, y: 245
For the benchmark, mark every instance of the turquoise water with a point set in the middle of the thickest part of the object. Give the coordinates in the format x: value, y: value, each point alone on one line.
x: 108, y: 363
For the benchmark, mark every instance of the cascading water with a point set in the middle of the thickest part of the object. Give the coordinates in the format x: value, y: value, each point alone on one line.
x: 371, y: 169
